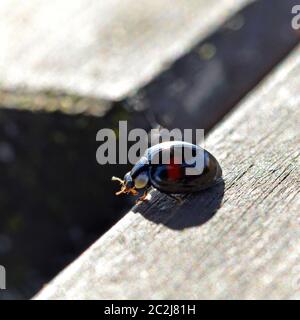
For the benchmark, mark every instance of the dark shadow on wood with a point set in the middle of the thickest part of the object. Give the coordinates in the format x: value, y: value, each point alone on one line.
x: 195, y: 210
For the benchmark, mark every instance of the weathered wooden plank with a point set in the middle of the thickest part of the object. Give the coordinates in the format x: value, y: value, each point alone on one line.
x: 75, y: 232
x: 100, y: 48
x: 203, y: 84
x: 238, y: 242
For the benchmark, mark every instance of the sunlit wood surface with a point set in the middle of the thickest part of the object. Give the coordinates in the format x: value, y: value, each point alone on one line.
x: 237, y: 240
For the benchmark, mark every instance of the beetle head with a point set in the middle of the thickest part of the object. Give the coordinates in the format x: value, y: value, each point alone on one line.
x: 127, y: 185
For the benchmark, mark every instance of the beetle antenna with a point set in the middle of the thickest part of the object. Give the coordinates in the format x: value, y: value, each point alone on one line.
x: 122, y: 182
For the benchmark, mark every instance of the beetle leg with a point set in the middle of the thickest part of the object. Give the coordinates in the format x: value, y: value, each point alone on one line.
x: 177, y: 198
x: 143, y: 197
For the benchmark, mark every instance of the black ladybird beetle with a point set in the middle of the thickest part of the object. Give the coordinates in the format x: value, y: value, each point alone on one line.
x: 187, y: 168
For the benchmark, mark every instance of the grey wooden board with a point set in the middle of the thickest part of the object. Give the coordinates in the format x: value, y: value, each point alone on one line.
x: 241, y: 242
x: 100, y: 48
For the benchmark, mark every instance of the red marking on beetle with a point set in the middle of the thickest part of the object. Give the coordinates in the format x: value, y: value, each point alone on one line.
x: 174, y: 170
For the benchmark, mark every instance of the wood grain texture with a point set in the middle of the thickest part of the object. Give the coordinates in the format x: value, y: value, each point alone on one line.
x: 100, y: 48
x: 237, y: 240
